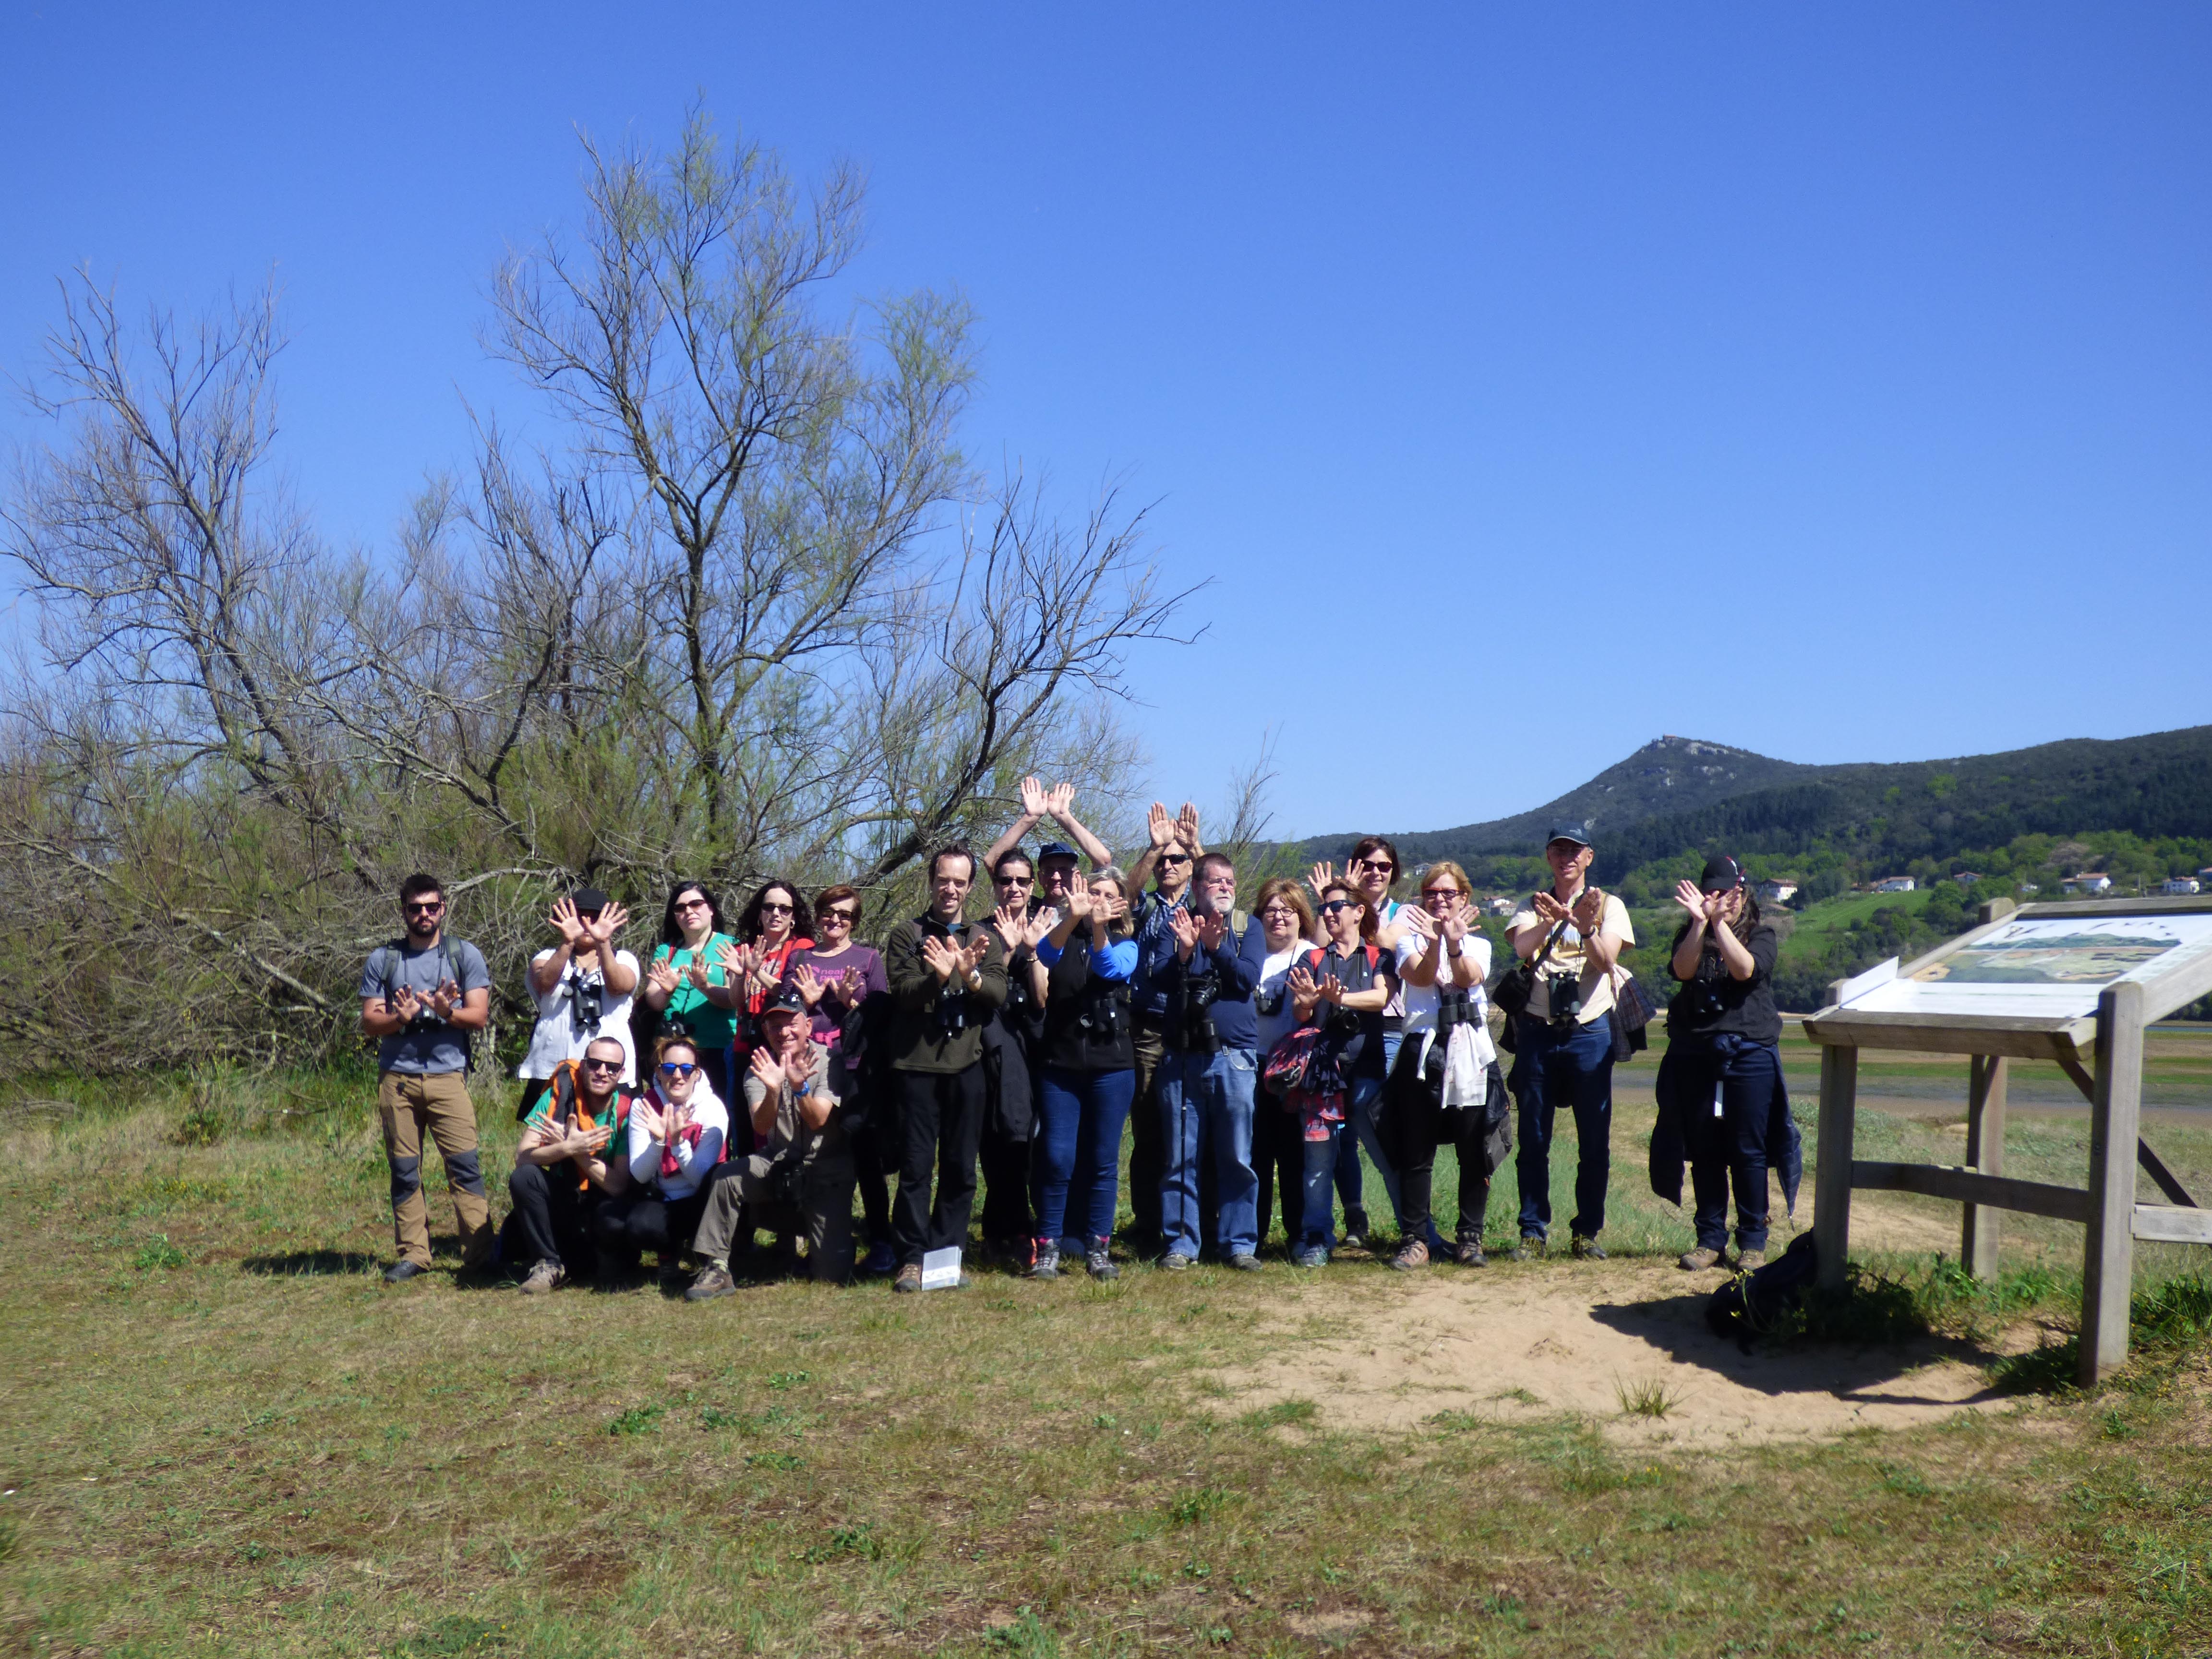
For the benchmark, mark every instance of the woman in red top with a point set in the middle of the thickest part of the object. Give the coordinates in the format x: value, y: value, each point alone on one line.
x: 769, y: 936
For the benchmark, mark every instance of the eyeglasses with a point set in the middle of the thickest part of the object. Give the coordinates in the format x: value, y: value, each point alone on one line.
x: 427, y: 907
x: 1279, y: 913
x: 770, y: 908
x: 676, y: 1068
x: 605, y: 1065
x: 1175, y: 857
x: 842, y: 918
x: 693, y: 904
x: 1446, y: 894
x: 1381, y: 865
x: 1333, y: 906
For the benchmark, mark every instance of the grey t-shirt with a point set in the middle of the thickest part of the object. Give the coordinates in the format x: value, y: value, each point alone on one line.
x: 436, y: 1048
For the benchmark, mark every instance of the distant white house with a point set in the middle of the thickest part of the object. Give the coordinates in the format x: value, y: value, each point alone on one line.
x: 1500, y: 906
x: 2178, y: 885
x: 1896, y: 885
x: 2090, y: 883
x: 2030, y: 887
x: 1968, y: 878
x: 1776, y: 892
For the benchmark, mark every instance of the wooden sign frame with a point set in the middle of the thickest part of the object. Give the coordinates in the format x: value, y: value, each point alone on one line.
x: 2110, y: 1041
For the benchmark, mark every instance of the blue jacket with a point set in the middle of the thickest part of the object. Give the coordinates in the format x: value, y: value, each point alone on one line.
x: 1156, y: 948
x: 1236, y: 967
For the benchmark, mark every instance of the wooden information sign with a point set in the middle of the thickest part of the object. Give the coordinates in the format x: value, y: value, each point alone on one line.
x: 2071, y: 982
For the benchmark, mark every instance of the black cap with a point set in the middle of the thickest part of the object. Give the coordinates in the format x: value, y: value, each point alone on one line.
x: 588, y: 900
x: 1055, y: 850
x: 1722, y: 875
x: 785, y: 999
x: 1573, y: 829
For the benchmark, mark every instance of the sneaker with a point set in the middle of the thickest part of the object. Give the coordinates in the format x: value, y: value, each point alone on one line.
x: 1099, y: 1262
x: 880, y: 1259
x: 400, y: 1271
x: 1750, y: 1261
x: 1045, y: 1264
x: 1353, y: 1239
x: 1469, y: 1255
x: 1697, y: 1260
x: 1310, y: 1259
x: 1588, y: 1249
x: 1245, y: 1262
x: 713, y: 1280
x: 1412, y: 1254
x: 1174, y: 1261
x: 1530, y: 1248
x: 909, y: 1279
x: 544, y: 1278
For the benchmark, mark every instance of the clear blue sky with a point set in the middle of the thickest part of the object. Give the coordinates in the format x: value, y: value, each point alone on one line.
x: 1532, y: 380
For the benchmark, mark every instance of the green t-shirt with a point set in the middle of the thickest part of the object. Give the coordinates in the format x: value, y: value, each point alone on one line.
x: 711, y: 1026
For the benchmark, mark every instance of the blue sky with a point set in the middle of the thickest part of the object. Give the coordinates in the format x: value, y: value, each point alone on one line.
x: 1530, y: 381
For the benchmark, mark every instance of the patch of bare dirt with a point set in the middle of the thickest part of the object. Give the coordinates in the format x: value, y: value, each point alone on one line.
x: 1521, y: 1343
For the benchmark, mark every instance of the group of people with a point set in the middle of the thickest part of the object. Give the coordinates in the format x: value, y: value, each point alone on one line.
x: 1251, y: 1054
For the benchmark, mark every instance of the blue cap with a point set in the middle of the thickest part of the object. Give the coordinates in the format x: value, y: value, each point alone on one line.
x: 1573, y: 829
x: 1055, y: 850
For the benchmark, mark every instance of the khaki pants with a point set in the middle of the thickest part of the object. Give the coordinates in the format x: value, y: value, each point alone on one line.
x: 409, y: 1103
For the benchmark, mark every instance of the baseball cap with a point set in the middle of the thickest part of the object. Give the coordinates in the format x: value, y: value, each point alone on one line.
x: 785, y: 999
x: 1055, y: 850
x: 1573, y: 829
x: 1722, y: 875
x: 588, y: 900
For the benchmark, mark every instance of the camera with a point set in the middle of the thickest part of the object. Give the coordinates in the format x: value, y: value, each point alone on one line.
x: 1565, y: 994
x: 1268, y: 1004
x: 1196, y: 1035
x: 1102, y: 1018
x: 425, y: 1019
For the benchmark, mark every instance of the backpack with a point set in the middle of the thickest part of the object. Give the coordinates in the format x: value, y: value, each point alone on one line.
x: 1753, y: 1304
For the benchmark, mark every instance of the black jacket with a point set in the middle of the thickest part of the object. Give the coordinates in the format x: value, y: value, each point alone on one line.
x: 1086, y: 1018
x: 1686, y: 1074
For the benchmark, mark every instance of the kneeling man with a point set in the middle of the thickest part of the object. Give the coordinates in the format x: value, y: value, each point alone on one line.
x: 560, y: 1169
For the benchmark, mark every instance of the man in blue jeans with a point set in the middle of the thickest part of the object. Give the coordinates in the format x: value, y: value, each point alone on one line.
x: 1574, y: 934
x: 1209, y: 1075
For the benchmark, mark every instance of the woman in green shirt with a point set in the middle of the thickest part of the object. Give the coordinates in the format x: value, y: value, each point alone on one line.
x: 686, y: 983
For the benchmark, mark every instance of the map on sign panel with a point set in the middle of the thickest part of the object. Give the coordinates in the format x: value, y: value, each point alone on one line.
x: 2039, y: 965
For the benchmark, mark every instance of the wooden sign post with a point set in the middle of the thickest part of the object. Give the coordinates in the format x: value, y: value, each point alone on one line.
x: 2041, y: 981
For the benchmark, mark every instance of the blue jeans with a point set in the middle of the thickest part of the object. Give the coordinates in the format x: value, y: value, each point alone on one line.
x: 1733, y: 1142
x: 1319, y: 1231
x: 1079, y: 1134
x: 1348, y: 1175
x: 1574, y: 1070
x: 1207, y: 1099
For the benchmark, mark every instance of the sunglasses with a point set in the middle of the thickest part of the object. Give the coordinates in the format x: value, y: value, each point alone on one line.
x: 605, y: 1065
x: 772, y: 908
x: 429, y: 908
x: 842, y: 918
x: 1382, y: 864
x: 693, y: 904
x: 676, y: 1068
x: 1013, y: 881
x: 1175, y: 857
x: 1334, y: 905
x: 1446, y: 894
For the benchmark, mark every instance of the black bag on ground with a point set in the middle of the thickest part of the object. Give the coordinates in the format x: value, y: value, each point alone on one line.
x: 1752, y: 1305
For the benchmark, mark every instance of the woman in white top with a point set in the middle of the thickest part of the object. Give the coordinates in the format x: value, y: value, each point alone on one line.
x: 1443, y: 1089
x: 583, y: 989
x: 677, y: 1133
x: 1278, y: 1149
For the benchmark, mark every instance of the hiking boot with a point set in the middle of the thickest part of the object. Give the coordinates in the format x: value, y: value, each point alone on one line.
x: 1245, y: 1262
x: 1310, y: 1259
x: 1697, y: 1260
x: 1469, y: 1254
x: 544, y: 1278
x: 909, y: 1279
x: 1412, y: 1254
x: 1530, y: 1248
x: 400, y: 1271
x: 713, y: 1280
x: 1748, y: 1261
x: 1099, y: 1262
x: 1045, y: 1264
x: 880, y: 1259
x: 1353, y: 1239
x: 1176, y: 1262
x: 1588, y: 1249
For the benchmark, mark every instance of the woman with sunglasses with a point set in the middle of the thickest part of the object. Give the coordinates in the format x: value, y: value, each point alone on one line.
x: 1287, y: 920
x: 771, y: 936
x: 843, y: 985
x: 678, y: 1136
x: 1370, y: 871
x: 1443, y: 961
x: 686, y: 984
x: 1342, y: 987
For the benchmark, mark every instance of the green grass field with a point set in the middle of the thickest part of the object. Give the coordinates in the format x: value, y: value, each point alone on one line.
x: 222, y: 1435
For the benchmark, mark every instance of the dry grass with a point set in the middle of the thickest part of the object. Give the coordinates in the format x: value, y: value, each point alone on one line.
x: 258, y: 1448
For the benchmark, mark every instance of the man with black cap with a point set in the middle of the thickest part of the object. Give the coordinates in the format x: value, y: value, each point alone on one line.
x: 1722, y: 1104
x: 583, y: 991
x: 801, y: 1179
x: 1572, y: 936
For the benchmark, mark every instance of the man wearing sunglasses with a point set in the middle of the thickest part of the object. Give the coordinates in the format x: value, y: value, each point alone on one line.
x: 422, y: 997
x: 561, y: 1169
x: 1168, y: 862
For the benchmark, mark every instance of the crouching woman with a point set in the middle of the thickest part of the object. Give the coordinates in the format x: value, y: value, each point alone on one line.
x: 802, y: 1178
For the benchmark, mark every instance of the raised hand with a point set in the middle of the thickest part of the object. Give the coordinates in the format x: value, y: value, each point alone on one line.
x: 445, y: 999
x: 1060, y: 800
x: 662, y: 976
x: 767, y: 1069
x: 1459, y: 920
x: 565, y: 920
x: 1012, y: 926
x: 1212, y: 931
x: 1322, y: 875
x: 1332, y: 989
x: 1186, y: 830
x: 1035, y: 802
x: 1590, y: 911
x: 1301, y: 983
x: 406, y: 1003
x: 1186, y: 932
x: 1550, y: 911
x: 1159, y: 826
x: 1108, y: 906
x: 1416, y: 919
x: 608, y: 924
x: 978, y: 948
x: 943, y: 957
x: 654, y: 1123
x: 1040, y: 922
x: 1082, y: 903
x: 809, y: 987
x: 1687, y: 895
x: 852, y: 985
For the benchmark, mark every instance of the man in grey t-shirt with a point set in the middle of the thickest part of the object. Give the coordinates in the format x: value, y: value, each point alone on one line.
x: 422, y: 997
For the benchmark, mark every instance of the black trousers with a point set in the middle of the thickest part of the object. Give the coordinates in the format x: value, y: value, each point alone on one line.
x: 1148, y: 1159
x: 1278, y: 1158
x: 941, y: 1127
x: 1424, y: 1125
x: 552, y: 1218
x: 631, y: 1222
x: 1007, y: 1217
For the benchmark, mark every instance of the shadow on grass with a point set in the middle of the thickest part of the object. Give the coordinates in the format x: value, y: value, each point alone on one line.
x: 310, y: 1264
